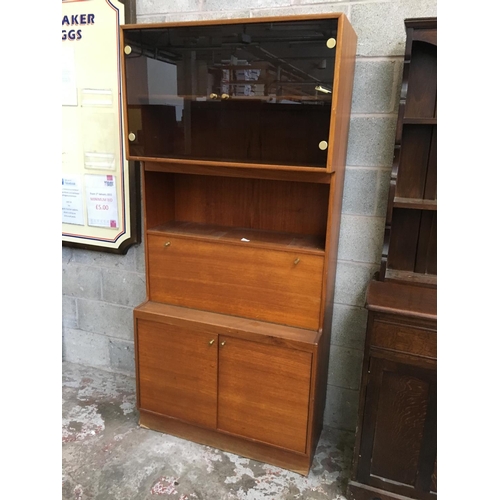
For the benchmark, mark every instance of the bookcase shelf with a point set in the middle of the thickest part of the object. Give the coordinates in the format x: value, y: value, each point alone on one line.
x: 243, y: 236
x: 416, y: 203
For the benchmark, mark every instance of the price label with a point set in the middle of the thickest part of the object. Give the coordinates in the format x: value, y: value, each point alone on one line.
x: 102, y: 206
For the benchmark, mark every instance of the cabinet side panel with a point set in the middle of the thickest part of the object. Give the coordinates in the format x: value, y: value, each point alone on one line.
x: 342, y: 99
x: 159, y: 196
x: 422, y: 81
x: 412, y: 172
x: 337, y: 152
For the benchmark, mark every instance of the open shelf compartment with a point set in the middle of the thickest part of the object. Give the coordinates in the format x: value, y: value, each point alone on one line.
x: 246, y: 211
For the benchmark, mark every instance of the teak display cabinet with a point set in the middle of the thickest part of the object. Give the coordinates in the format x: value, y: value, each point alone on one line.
x: 241, y: 129
x: 395, y: 455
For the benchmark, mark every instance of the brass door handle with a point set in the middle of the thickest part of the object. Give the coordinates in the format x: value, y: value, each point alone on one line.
x: 131, y: 137
x: 223, y: 343
x: 167, y: 244
x: 323, y: 145
x: 213, y: 96
x: 296, y: 261
x: 225, y: 96
x: 211, y: 342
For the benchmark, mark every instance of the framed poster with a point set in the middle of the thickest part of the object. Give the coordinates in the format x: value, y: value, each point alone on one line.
x: 100, y: 188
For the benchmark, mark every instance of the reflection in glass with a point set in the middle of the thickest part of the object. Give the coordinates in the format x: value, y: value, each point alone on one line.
x: 252, y: 92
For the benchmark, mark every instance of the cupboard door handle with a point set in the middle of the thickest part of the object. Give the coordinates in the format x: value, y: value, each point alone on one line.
x: 225, y: 96
x: 323, y: 145
x: 127, y: 49
x: 131, y: 137
x: 296, y: 261
x: 213, y: 96
x: 167, y: 244
x: 211, y: 342
x: 223, y: 343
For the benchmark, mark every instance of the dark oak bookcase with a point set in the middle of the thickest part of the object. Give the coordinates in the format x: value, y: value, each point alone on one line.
x: 395, y: 454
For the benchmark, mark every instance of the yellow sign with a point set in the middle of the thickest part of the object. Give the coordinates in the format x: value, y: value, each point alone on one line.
x: 96, y: 190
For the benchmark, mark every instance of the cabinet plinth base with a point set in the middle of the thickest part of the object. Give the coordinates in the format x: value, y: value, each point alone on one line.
x: 295, y: 462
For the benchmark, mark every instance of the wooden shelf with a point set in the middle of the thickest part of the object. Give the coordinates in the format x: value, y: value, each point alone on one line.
x: 144, y: 99
x: 243, y: 236
x: 415, y: 203
x: 230, y: 325
x: 420, y: 121
x: 410, y: 277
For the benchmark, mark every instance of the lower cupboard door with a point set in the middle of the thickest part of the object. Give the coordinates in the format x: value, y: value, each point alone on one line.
x: 177, y: 372
x: 264, y: 392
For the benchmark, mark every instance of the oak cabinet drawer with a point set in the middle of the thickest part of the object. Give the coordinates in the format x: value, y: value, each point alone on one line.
x: 266, y: 284
x: 404, y: 338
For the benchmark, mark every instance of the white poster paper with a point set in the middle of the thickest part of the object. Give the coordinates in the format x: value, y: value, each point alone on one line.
x: 72, y: 200
x: 69, y: 89
x: 102, y: 205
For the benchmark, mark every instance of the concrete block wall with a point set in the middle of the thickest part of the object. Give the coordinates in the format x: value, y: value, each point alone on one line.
x: 100, y: 290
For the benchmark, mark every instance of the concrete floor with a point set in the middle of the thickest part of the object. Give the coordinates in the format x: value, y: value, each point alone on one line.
x: 106, y: 455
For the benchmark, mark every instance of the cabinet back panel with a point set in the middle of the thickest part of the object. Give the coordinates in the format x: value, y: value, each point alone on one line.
x: 402, y: 409
x: 222, y: 135
x: 252, y: 203
x: 434, y: 478
x: 430, y: 192
x: 422, y: 82
x: 404, y: 239
x: 426, y: 258
x: 159, y: 196
x: 414, y: 161
x: 413, y: 245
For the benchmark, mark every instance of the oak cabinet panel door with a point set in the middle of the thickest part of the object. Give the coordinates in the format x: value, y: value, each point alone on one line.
x: 399, y: 430
x: 177, y: 372
x: 264, y: 392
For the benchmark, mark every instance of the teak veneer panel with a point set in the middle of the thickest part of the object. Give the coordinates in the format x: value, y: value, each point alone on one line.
x: 178, y: 372
x: 264, y: 284
x: 264, y: 392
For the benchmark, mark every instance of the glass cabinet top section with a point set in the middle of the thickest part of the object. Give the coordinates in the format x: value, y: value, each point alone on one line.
x: 248, y: 92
